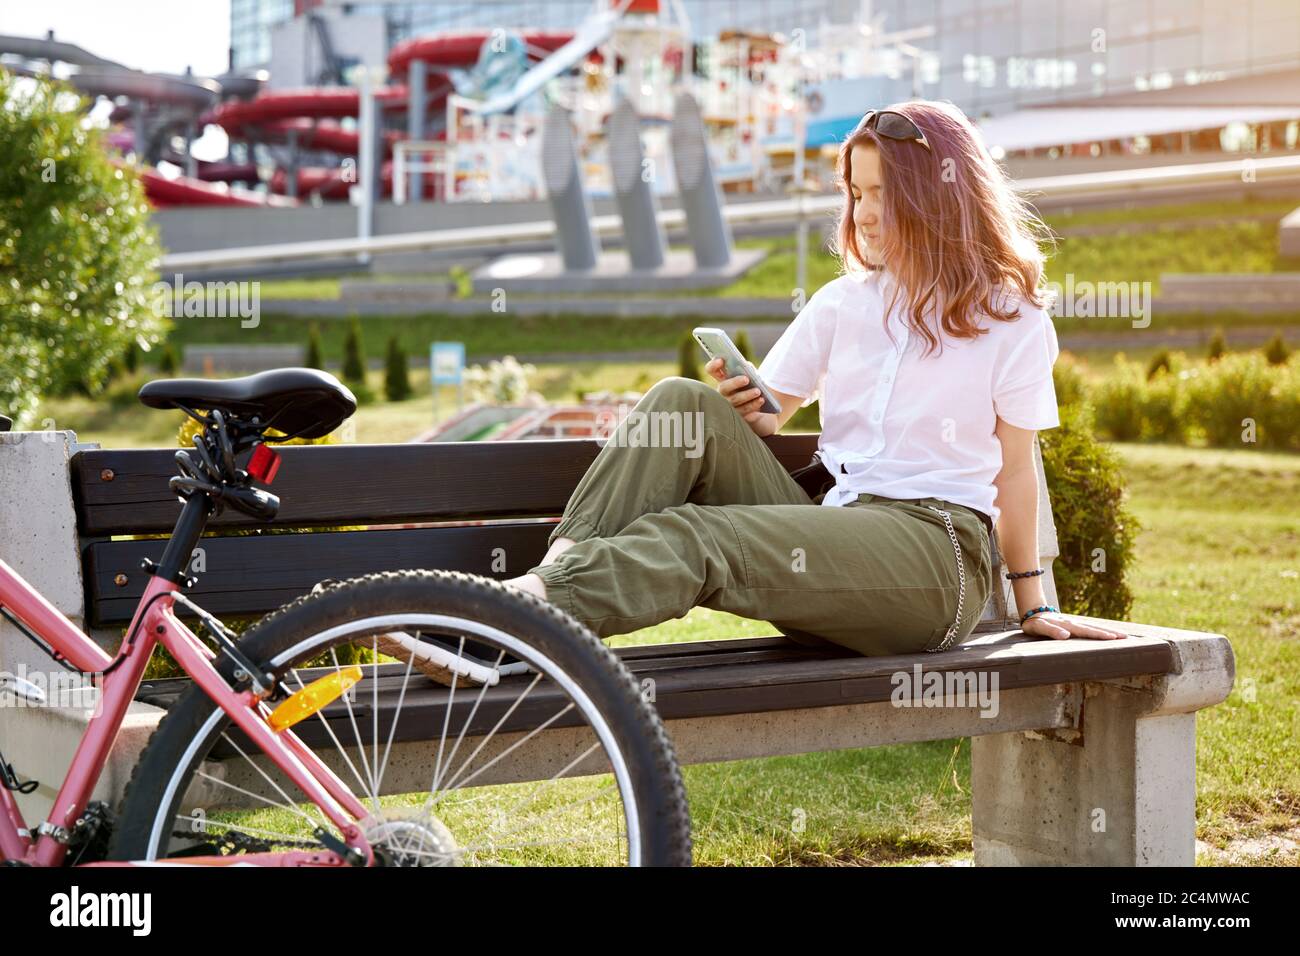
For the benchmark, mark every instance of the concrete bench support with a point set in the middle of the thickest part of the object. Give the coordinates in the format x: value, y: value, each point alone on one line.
x: 1118, y: 790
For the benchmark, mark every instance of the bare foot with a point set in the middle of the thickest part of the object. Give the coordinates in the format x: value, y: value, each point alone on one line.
x: 558, y: 548
x: 532, y: 583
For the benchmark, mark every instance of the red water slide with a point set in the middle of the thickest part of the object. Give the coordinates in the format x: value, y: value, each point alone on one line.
x: 182, y: 191
x: 274, y: 115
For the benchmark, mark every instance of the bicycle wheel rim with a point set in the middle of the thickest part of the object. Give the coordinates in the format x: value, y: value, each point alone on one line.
x: 356, y: 631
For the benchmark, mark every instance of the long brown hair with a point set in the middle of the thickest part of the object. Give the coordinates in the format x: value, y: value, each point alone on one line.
x: 956, y: 236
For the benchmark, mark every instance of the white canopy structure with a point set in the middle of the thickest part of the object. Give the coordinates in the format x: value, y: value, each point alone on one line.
x: 1060, y: 126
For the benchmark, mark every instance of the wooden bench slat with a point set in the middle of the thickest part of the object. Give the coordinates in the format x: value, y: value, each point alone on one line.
x: 808, y: 678
x: 254, y: 574
x: 322, y: 485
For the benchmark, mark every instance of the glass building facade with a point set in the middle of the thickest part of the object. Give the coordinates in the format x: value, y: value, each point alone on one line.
x: 987, y: 56
x: 250, y: 31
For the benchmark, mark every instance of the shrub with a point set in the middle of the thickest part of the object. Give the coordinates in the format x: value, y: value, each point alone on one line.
x: 743, y: 346
x: 77, y: 251
x: 1159, y: 363
x: 805, y: 419
x: 354, y: 359
x: 1119, y: 401
x: 1280, y: 420
x: 1068, y: 380
x: 397, y: 372
x: 503, y: 382
x: 1276, y: 352
x: 1094, y: 531
x: 688, y: 360
x: 1236, y: 392
x: 354, y: 362
x: 463, y: 282
x: 1218, y: 346
x: 315, y: 354
x: 167, y: 362
x: 1164, y: 409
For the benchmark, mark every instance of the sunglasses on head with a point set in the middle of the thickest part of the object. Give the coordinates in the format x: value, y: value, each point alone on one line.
x: 893, y: 125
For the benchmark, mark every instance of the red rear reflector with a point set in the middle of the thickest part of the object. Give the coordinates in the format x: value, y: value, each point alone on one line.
x: 263, y: 464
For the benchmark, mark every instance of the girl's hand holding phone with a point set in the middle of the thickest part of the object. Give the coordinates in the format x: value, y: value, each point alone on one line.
x: 746, y: 401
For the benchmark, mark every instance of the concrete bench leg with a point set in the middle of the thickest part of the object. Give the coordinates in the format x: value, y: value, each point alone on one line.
x: 1118, y: 791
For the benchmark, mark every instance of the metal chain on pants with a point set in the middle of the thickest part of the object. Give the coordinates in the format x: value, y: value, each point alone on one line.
x: 961, y: 579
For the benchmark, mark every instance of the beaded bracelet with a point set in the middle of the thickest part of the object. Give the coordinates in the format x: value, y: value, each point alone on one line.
x: 1013, y: 575
x: 1038, y: 610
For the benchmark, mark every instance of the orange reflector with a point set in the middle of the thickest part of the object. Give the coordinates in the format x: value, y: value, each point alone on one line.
x: 315, y: 696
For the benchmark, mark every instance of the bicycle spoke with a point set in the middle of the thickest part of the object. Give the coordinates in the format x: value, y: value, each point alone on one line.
x: 356, y: 732
x: 434, y: 786
x: 446, y: 716
x: 552, y: 780
x: 288, y: 805
x: 437, y: 774
x: 330, y: 730
x: 551, y: 813
x: 397, y: 715
x: 517, y: 744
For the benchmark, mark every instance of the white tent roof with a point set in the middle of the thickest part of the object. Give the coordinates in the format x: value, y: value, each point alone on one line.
x: 1059, y: 126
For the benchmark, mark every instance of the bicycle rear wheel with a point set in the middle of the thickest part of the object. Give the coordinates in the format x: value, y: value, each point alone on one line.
x: 565, y: 763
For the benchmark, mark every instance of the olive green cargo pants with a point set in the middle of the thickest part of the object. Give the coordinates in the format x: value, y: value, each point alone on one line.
x: 686, y: 506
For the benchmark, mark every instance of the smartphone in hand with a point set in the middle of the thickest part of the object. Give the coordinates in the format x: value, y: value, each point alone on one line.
x: 717, y: 344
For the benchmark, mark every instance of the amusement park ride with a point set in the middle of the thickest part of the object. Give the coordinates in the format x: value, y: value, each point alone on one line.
x: 460, y: 115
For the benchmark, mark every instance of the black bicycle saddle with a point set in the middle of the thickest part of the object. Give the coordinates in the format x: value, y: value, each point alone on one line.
x: 301, y: 402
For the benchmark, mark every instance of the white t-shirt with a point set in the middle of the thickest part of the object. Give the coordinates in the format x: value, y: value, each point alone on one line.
x: 900, y: 425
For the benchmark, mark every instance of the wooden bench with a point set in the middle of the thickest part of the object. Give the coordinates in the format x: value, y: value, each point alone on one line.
x: 1084, y: 752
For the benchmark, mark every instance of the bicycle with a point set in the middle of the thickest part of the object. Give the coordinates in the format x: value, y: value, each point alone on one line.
x: 249, y: 728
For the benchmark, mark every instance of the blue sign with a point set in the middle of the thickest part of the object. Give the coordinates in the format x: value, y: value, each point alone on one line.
x: 447, y: 362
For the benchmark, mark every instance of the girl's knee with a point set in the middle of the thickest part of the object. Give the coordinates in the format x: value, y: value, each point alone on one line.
x: 679, y: 392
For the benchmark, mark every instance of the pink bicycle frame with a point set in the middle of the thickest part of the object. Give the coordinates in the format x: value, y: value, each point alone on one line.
x: 118, y: 679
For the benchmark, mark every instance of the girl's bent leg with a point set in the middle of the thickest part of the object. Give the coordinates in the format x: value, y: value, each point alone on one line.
x: 682, y: 442
x: 873, y: 578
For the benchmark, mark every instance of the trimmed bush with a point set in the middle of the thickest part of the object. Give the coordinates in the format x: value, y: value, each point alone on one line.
x: 688, y: 357
x: 1280, y: 419
x: 805, y: 419
x: 315, y: 354
x: 354, y: 362
x: 354, y: 359
x: 1094, y: 530
x: 1242, y: 401
x: 1164, y: 409
x: 1068, y: 380
x: 1159, y: 363
x: 397, y: 372
x: 1276, y: 352
x: 743, y: 346
x: 167, y: 362
x: 1218, y: 346
x: 1119, y: 400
